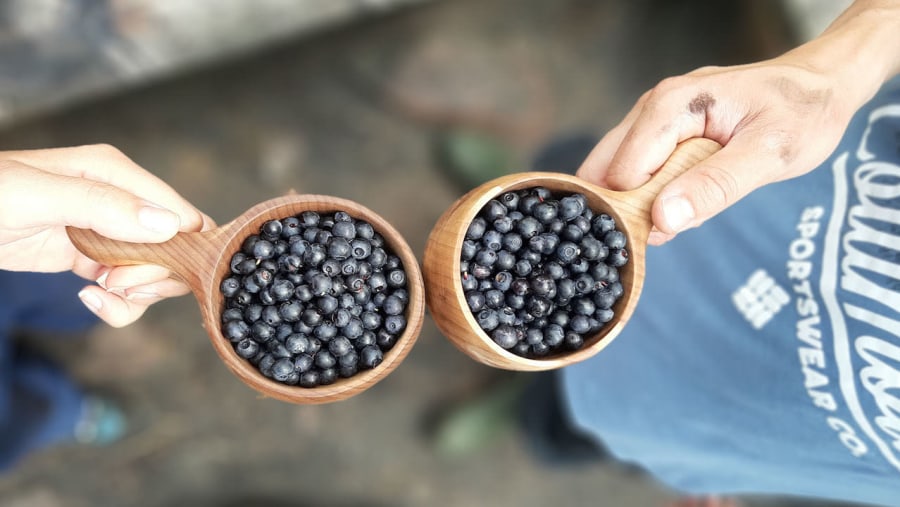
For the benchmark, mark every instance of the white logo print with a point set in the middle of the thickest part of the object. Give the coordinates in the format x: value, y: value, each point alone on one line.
x: 860, y: 291
x: 759, y: 299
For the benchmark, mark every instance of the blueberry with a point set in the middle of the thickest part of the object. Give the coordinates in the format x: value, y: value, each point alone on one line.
x: 395, y: 323
x: 480, y: 272
x: 593, y: 249
x: 236, y: 330
x: 385, y: 339
x: 523, y: 268
x: 520, y: 287
x: 303, y: 362
x: 314, y: 255
x: 393, y: 305
x: 325, y: 359
x: 328, y: 376
x: 488, y: 319
x: 341, y: 317
x: 346, y: 230
x: 493, y: 210
x: 263, y: 249
x: 340, y: 346
x: 510, y: 200
x: 604, y: 299
x: 377, y: 283
x: 468, y: 250
x: 326, y: 304
x: 505, y: 336
x: 360, y: 249
x: 370, y: 356
x: 545, y: 212
x: 529, y: 227
x: 349, y: 267
x: 261, y: 332
x: 282, y: 369
x: 309, y: 378
x: 615, y: 240
x: 583, y: 306
x: 232, y: 314
x: 505, y: 260
x: 538, y: 306
x: 297, y: 343
x: 572, y: 206
x: 566, y: 252
x: 492, y: 240
x: 247, y: 348
x: 476, y: 228
x: 298, y: 247
x: 486, y: 257
x: 230, y: 286
x: 475, y: 300
x: 364, y: 230
x: 503, y: 224
x: 354, y: 329
x: 602, y: 223
x: 573, y: 341
x: 370, y: 320
x: 493, y: 298
x: 527, y: 203
x: 604, y: 315
x: 554, y: 335
x: 377, y: 257
x: 252, y: 313
x: 580, y: 324
x: 554, y: 270
x: 512, y: 242
x: 271, y: 230
x: 572, y: 232
x: 503, y: 280
x: 310, y: 218
x: 617, y: 258
x: 271, y: 317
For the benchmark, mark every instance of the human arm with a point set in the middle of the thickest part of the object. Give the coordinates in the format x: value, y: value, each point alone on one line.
x: 95, y: 187
x: 776, y: 119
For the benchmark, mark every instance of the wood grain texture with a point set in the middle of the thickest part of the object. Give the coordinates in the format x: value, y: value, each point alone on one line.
x: 441, y: 263
x: 201, y: 260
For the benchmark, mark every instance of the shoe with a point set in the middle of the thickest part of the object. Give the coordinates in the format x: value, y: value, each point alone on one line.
x: 474, y: 423
x: 102, y: 422
x: 470, y: 158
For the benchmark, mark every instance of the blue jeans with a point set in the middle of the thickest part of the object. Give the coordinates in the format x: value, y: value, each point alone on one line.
x: 39, y: 403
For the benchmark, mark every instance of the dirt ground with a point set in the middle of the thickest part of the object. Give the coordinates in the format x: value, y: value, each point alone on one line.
x: 353, y: 112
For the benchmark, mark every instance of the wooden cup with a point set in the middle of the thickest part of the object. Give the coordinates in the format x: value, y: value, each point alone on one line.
x: 202, y: 260
x: 631, y: 210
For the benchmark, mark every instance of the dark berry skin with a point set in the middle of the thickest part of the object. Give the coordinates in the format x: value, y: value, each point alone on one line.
x: 476, y: 228
x: 370, y: 356
x: 505, y: 336
x: 556, y: 262
x: 298, y: 293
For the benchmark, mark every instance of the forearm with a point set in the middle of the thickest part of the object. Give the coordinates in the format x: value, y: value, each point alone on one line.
x: 860, y: 49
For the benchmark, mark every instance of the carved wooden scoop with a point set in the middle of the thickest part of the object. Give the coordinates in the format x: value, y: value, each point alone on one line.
x: 631, y: 210
x: 202, y: 260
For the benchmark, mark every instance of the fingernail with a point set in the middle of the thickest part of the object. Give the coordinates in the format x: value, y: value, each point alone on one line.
x: 678, y: 212
x: 101, y: 280
x: 91, y: 301
x: 157, y: 219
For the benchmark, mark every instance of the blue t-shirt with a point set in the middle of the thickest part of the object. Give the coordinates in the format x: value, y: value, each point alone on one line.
x: 764, y: 355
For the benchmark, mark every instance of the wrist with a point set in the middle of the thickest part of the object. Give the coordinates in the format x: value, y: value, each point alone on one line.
x: 860, y: 50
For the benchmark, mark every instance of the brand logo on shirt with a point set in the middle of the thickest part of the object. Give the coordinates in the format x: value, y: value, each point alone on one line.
x: 860, y: 290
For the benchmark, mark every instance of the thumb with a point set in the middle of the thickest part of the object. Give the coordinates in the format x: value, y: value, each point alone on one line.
x: 46, y: 199
x: 708, y: 188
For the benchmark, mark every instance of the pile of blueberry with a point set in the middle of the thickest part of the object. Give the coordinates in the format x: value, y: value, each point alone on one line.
x: 313, y: 298
x: 540, y: 271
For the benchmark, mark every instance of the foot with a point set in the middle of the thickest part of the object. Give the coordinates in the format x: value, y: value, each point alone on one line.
x: 102, y: 422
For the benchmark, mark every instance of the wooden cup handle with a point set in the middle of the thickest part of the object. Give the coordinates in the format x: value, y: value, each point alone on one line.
x: 190, y: 256
x: 686, y: 155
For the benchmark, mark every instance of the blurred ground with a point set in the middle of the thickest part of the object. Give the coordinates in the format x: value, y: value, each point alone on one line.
x: 353, y: 113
